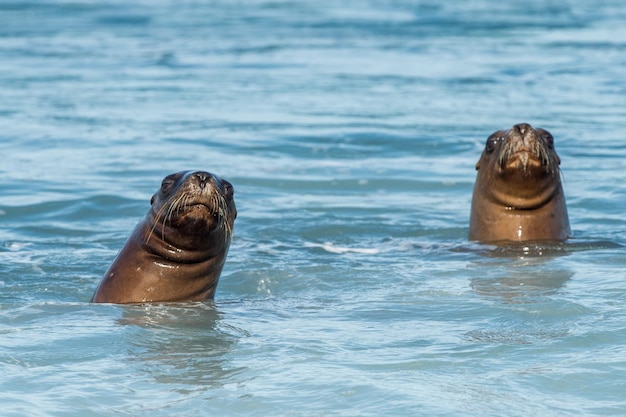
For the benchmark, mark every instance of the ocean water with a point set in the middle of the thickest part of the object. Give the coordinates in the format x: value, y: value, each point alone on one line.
x: 350, y: 130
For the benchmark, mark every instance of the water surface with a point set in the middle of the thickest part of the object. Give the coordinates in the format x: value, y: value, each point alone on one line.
x: 350, y: 131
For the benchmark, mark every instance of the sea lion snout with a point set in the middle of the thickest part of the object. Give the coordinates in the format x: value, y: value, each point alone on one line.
x: 203, y: 200
x: 202, y: 180
x: 205, y: 182
x: 522, y: 137
x: 526, y: 147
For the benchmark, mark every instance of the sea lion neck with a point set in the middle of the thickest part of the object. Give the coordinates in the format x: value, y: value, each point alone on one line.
x: 175, y: 245
x: 522, y: 197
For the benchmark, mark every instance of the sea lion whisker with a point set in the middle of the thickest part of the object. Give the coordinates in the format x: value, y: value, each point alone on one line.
x: 157, y: 217
x: 223, y: 207
x: 174, y: 207
x: 185, y: 202
x: 168, y: 216
x: 163, y: 216
x: 217, y: 210
x: 219, y: 203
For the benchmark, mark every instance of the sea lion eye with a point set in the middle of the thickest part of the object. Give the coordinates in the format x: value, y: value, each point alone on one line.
x: 228, y: 189
x: 167, y: 183
x: 549, y: 140
x: 492, y: 142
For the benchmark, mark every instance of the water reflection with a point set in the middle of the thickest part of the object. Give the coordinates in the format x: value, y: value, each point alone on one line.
x: 185, y: 343
x: 520, y: 271
x: 524, y: 250
x: 518, y: 282
x: 524, y: 282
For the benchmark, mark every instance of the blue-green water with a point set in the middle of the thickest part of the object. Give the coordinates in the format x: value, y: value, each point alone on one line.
x: 349, y: 130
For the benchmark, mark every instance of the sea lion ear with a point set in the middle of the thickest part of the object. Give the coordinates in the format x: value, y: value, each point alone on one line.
x: 152, y: 199
x: 477, y: 165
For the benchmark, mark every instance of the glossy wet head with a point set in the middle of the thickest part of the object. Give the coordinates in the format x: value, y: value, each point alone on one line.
x: 522, y: 150
x: 196, y: 201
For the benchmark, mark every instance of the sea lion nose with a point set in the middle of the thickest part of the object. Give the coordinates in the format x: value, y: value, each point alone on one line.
x: 203, y: 179
x: 523, y: 128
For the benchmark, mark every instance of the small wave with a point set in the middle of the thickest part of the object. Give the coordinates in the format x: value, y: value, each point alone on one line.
x: 330, y: 247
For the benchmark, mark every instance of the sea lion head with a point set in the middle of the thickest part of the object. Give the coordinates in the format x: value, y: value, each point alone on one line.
x: 177, y: 252
x: 191, y: 209
x: 519, y: 167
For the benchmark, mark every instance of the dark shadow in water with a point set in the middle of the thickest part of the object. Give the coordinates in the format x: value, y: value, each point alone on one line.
x: 534, y: 249
x: 183, y: 344
x: 515, y: 336
x: 518, y: 271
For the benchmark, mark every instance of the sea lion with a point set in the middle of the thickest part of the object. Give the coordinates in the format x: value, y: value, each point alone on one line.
x: 518, y: 194
x: 177, y: 252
